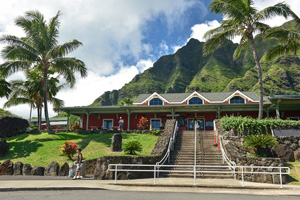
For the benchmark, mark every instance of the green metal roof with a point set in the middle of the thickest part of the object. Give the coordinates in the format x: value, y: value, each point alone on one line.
x: 52, y: 119
x: 56, y: 123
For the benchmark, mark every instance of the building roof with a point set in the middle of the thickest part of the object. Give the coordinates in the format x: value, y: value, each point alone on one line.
x: 52, y: 119
x: 210, y: 96
x: 56, y: 123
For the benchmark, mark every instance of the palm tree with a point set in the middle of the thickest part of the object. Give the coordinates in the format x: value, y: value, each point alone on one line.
x: 31, y: 90
x: 126, y: 102
x: 289, y: 41
x: 4, y: 88
x: 40, y: 50
x: 242, y: 19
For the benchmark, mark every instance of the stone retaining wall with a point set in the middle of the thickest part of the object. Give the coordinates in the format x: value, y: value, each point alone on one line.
x: 238, y: 154
x: 161, y: 146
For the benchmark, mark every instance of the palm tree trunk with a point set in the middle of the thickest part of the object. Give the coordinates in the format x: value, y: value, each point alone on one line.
x: 261, y: 92
x: 30, y: 115
x: 50, y: 131
x: 39, y: 119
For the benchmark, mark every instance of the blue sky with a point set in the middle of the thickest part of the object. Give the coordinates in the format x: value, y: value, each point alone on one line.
x: 121, y: 38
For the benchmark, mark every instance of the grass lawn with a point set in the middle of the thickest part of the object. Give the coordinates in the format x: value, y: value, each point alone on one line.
x: 41, y: 149
x: 294, y: 177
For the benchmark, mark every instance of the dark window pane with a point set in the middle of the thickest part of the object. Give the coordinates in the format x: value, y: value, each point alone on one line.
x: 237, y: 99
x: 156, y: 102
x: 195, y: 100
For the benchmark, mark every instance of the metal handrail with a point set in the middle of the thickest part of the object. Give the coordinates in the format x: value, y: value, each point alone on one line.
x: 195, y: 150
x: 243, y: 170
x: 170, y: 147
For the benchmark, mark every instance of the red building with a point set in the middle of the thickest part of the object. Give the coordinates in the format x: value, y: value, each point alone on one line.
x: 186, y: 107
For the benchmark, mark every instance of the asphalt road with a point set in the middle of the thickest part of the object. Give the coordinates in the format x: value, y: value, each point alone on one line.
x: 123, y: 195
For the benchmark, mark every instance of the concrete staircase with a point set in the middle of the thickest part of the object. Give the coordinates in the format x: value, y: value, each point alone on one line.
x: 206, y: 154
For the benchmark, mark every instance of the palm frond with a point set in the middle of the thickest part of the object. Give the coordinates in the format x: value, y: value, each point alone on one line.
x: 228, y: 8
x: 279, y: 9
x: 243, y: 43
x: 63, y: 50
x: 17, y: 101
x: 10, y: 67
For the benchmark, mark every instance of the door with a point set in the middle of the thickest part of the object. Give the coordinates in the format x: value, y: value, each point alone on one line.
x: 155, y: 124
x: 107, y: 124
x: 191, y: 124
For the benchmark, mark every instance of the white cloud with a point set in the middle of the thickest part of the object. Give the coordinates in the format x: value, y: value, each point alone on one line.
x: 175, y: 48
x: 199, y: 30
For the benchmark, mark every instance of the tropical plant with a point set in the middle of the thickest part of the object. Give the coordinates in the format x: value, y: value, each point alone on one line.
x: 69, y: 148
x: 260, y: 142
x: 126, y: 102
x: 4, y: 88
x: 132, y: 147
x: 143, y: 122
x: 31, y: 90
x: 289, y: 41
x: 242, y: 19
x: 251, y: 126
x: 156, y: 132
x: 39, y: 49
x: 75, y: 127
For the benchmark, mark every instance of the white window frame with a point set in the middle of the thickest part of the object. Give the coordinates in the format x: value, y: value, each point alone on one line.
x: 238, y: 96
x: 151, y: 119
x: 107, y: 119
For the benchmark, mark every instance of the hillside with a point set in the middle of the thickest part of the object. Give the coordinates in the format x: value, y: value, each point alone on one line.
x: 5, y: 113
x: 188, y: 70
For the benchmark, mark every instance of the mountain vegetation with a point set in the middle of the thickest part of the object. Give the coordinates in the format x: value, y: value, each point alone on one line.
x: 188, y: 70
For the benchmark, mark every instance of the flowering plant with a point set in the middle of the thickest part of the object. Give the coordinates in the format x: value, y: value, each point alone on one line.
x: 75, y: 126
x: 142, y: 123
x: 69, y: 148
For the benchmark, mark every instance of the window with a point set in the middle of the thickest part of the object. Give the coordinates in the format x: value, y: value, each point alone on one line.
x: 237, y: 99
x: 155, y: 102
x: 107, y: 124
x: 195, y: 100
x: 155, y: 124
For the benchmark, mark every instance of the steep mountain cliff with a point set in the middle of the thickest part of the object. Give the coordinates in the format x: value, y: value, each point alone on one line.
x: 188, y: 70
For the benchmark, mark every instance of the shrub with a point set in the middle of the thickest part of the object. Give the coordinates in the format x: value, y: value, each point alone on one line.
x: 69, y: 148
x: 155, y: 132
x: 12, y: 126
x: 75, y: 127
x: 260, y: 142
x: 132, y: 147
x: 250, y: 126
x: 142, y: 123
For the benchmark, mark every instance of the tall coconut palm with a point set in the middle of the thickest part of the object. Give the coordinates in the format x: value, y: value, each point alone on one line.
x: 31, y: 92
x: 289, y: 41
x: 242, y: 19
x: 4, y: 88
x: 40, y: 49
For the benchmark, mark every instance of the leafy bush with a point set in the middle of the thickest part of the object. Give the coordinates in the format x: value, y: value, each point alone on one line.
x: 69, y: 148
x: 260, y: 142
x: 75, y: 127
x: 155, y: 132
x: 250, y: 126
x: 132, y: 147
x: 12, y: 126
x: 143, y: 122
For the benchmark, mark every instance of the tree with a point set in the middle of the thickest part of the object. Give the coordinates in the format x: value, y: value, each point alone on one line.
x: 4, y: 88
x: 40, y: 50
x: 126, y: 102
x: 30, y: 92
x: 242, y: 19
x: 289, y: 41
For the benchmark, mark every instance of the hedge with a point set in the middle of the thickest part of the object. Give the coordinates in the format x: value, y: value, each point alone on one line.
x: 250, y: 126
x: 12, y: 126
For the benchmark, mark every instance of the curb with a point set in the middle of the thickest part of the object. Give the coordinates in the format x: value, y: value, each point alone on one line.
x: 202, y: 186
x: 47, y: 189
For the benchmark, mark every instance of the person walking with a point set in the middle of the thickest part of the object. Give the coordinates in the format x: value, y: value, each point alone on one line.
x: 79, y: 164
x: 121, y: 124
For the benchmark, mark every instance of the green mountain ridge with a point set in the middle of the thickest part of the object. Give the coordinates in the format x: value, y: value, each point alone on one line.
x: 188, y: 70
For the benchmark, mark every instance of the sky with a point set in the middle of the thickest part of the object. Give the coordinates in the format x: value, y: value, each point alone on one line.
x: 121, y: 38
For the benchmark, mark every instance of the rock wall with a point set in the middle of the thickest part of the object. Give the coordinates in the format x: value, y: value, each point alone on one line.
x: 161, y: 146
x: 238, y: 154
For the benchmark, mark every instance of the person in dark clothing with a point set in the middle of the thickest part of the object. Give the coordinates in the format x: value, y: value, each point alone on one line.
x: 79, y: 163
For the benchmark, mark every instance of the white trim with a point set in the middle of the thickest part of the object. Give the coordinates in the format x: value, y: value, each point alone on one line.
x: 151, y: 97
x: 195, y: 93
x: 238, y: 93
x: 160, y: 124
x: 107, y: 119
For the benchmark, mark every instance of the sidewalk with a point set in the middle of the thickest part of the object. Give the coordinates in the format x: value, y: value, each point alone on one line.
x: 23, y: 183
